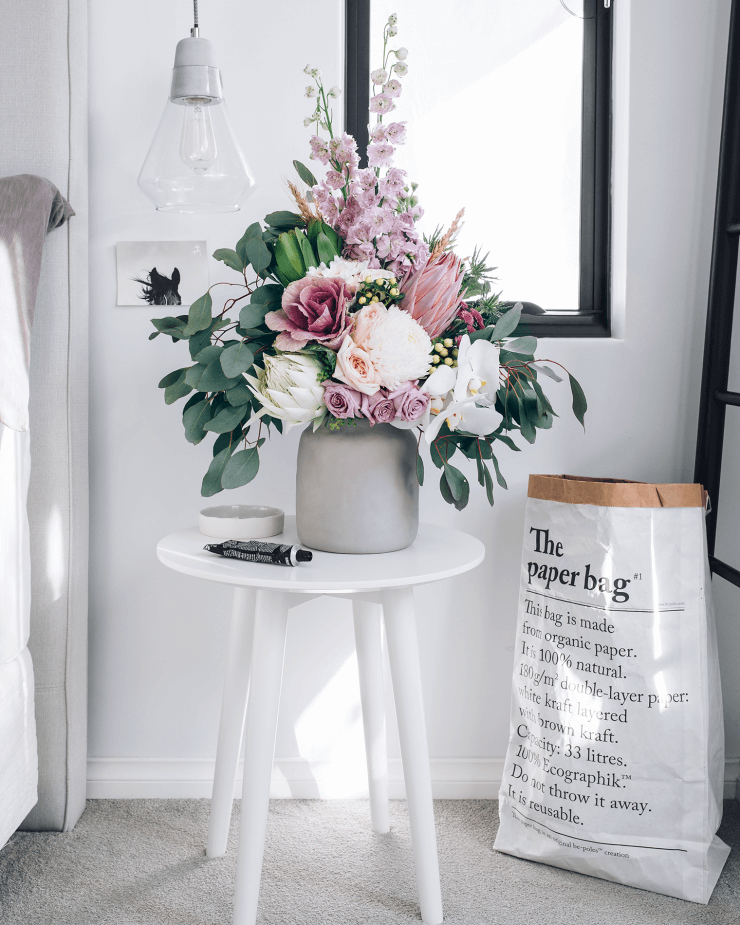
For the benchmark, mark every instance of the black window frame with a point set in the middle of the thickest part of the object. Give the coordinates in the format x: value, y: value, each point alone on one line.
x: 593, y: 318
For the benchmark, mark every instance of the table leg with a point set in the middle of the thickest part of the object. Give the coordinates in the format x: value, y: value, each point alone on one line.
x: 369, y: 644
x: 270, y: 626
x: 233, y: 712
x: 403, y: 654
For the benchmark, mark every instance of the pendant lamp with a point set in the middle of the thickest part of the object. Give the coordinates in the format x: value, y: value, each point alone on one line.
x: 195, y: 163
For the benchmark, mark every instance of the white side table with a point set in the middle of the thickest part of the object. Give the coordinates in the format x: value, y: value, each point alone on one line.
x: 380, y: 587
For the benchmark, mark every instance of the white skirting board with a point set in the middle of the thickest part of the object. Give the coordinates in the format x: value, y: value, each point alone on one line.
x: 298, y: 779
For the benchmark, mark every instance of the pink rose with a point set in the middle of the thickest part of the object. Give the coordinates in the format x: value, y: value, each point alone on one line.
x: 355, y: 367
x: 314, y: 309
x: 367, y: 320
x: 378, y: 408
x: 409, y: 402
x: 341, y: 400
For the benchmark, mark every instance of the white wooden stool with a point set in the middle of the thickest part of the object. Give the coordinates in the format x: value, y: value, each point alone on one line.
x: 380, y: 587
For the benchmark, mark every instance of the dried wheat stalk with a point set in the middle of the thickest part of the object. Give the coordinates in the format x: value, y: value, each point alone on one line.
x: 303, y: 206
x: 441, y: 245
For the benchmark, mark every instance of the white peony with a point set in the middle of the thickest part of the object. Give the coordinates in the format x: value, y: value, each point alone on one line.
x: 289, y: 389
x: 399, y: 347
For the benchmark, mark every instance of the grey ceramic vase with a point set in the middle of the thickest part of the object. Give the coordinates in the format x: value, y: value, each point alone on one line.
x: 356, y: 488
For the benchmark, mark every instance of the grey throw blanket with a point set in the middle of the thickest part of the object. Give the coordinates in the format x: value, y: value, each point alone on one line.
x: 29, y: 207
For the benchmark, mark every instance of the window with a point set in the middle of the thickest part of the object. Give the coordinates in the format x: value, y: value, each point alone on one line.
x: 508, y: 106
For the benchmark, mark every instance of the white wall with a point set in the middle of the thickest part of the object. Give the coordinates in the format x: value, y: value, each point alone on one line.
x: 157, y: 638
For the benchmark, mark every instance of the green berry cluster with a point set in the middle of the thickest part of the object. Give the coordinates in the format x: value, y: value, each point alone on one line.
x: 445, y: 352
x: 378, y: 290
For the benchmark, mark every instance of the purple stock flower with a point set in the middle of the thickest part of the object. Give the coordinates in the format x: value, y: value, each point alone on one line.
x: 341, y: 400
x: 314, y: 309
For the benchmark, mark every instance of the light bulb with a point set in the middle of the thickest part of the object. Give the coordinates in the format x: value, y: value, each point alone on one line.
x: 198, y: 141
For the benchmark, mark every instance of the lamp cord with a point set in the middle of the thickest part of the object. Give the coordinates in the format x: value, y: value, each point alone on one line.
x: 194, y: 32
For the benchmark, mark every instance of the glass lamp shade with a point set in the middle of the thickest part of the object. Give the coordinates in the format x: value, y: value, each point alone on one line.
x: 194, y: 163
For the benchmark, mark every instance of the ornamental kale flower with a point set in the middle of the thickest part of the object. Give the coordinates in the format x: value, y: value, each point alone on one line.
x: 314, y: 309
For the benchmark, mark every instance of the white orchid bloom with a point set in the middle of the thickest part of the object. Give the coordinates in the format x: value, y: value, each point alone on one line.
x: 289, y: 389
x: 473, y: 384
x: 477, y: 369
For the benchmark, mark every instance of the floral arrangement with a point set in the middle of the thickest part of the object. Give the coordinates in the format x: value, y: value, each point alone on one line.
x: 347, y: 313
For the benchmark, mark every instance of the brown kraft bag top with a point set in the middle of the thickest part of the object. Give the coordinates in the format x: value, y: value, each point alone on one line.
x: 580, y: 489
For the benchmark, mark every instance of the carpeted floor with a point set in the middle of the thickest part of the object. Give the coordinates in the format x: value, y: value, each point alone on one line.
x: 141, y: 862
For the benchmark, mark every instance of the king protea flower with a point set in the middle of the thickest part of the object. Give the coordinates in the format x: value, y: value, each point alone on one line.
x: 432, y: 293
x: 289, y: 389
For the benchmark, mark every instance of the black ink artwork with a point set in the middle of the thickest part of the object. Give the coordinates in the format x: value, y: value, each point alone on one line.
x: 157, y: 289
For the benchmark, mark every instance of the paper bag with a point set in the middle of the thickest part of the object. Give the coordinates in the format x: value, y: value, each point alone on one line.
x: 615, y: 762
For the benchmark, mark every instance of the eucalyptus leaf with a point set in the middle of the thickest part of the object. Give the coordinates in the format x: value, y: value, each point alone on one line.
x: 171, y: 378
x: 508, y: 442
x: 193, y: 419
x: 176, y: 390
x: 456, y: 480
x: 499, y: 478
x: 212, y: 479
x: 436, y: 450
x: 267, y: 295
x: 225, y: 421
x: 580, y: 405
x: 168, y: 324
x: 242, y: 468
x: 445, y: 490
x: 258, y: 254
x: 193, y: 375
x: 213, y: 378
x: 209, y: 353
x: 254, y: 231
x: 304, y: 173
x: 238, y: 394
x: 489, y: 485
x: 199, y: 342
x: 236, y: 359
x: 230, y: 258
x: 228, y: 439
x: 506, y: 325
x: 526, y: 345
x: 253, y: 314
x: 200, y: 315
x: 419, y: 469
x: 193, y: 400
x: 546, y: 371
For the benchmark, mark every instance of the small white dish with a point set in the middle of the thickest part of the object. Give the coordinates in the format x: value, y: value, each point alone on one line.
x: 241, y: 521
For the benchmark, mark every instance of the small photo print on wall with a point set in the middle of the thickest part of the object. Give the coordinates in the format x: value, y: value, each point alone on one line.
x: 161, y: 272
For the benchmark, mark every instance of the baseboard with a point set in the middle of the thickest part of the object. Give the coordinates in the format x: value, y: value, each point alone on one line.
x: 298, y: 779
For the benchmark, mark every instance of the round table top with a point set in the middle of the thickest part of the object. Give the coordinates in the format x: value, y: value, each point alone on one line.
x: 437, y: 553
